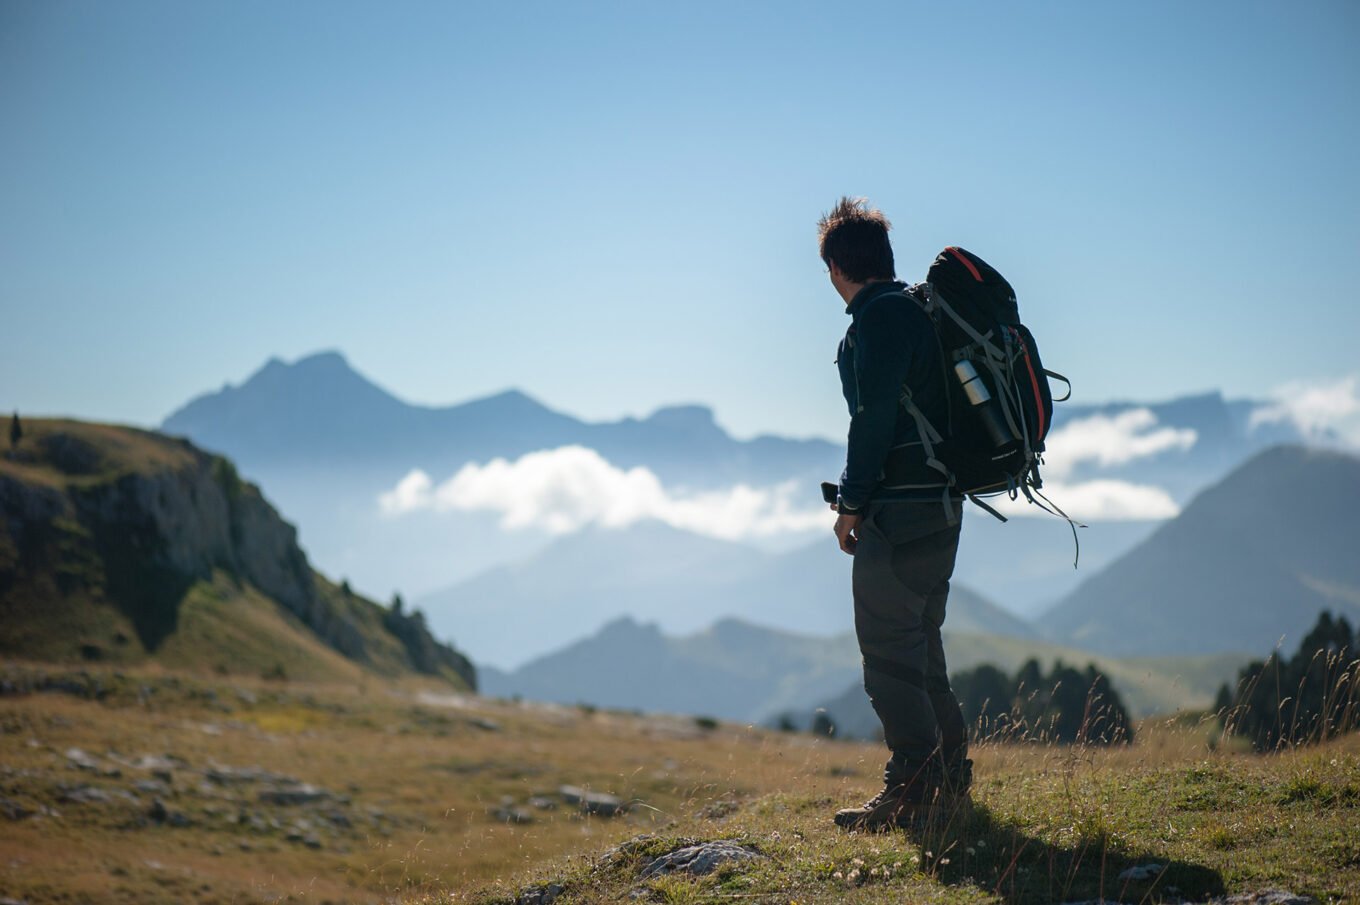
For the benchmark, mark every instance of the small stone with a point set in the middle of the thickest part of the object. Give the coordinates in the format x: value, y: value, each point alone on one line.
x: 88, y: 795
x: 698, y: 860
x: 13, y: 810
x: 513, y: 815
x: 1267, y: 897
x: 295, y: 794
x: 541, y: 895
x: 81, y: 760
x: 542, y: 802
x: 236, y: 775
x: 597, y: 803
x: 1142, y: 873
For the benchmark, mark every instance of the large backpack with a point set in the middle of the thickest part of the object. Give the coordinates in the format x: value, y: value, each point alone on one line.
x: 1000, y: 405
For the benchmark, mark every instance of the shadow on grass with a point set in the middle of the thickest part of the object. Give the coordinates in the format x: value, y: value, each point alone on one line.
x: 976, y: 848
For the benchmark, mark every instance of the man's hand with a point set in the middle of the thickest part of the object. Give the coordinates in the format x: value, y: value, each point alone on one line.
x: 847, y: 532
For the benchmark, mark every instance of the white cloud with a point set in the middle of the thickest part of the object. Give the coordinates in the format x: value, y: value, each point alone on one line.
x: 1322, y: 411
x: 1109, y: 440
x: 563, y: 490
x: 1102, y: 500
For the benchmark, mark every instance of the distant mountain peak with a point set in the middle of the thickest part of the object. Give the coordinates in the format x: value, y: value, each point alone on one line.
x: 326, y: 358
x: 327, y: 364
x: 684, y: 417
x: 312, y: 401
x: 1240, y: 567
x: 513, y: 398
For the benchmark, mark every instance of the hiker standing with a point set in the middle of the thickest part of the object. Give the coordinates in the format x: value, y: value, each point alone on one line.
x: 898, y: 518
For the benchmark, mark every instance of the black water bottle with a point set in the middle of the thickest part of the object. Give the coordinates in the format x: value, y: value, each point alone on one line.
x: 981, y: 399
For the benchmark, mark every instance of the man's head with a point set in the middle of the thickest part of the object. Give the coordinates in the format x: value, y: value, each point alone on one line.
x: 853, y: 242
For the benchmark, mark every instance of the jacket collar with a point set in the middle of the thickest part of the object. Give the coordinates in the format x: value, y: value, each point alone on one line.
x: 871, y: 292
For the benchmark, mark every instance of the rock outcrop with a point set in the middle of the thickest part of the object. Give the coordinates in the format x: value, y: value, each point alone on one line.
x: 95, y: 514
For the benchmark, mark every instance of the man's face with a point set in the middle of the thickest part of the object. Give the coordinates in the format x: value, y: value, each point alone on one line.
x: 839, y: 282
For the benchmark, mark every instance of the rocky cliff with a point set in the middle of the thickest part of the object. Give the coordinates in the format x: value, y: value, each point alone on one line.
x: 110, y: 536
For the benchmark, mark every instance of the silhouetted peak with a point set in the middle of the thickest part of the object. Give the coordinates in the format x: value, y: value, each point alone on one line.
x: 684, y: 417
x: 626, y: 628
x: 326, y: 360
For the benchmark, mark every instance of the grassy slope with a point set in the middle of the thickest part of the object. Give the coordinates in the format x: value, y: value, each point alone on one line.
x: 122, y: 450
x: 421, y: 777
x: 223, y: 626
x: 234, y: 630
x: 1049, y: 825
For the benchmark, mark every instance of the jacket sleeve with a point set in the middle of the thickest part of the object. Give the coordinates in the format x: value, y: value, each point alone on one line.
x: 882, y: 358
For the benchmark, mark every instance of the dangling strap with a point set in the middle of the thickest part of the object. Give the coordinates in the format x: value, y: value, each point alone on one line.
x: 977, y: 501
x: 1031, y: 493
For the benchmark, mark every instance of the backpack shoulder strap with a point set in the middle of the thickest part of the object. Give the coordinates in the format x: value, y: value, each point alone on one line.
x: 930, y: 438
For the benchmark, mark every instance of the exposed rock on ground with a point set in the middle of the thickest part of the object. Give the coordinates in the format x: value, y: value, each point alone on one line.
x: 296, y: 793
x: 597, y: 803
x: 541, y: 895
x: 1264, y: 897
x: 698, y: 860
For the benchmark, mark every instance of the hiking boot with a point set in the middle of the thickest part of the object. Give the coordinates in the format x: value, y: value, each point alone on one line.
x: 958, y: 779
x: 902, y: 806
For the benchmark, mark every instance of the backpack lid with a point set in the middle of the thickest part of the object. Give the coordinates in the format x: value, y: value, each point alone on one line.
x: 973, y: 286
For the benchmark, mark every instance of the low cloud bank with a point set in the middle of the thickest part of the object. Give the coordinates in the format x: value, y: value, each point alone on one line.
x: 563, y: 490
x: 1097, y: 501
x: 1109, y: 440
x: 1322, y: 411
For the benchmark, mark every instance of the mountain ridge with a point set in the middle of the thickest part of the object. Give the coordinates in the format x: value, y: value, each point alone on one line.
x: 658, y: 573
x: 123, y: 545
x: 1264, y: 537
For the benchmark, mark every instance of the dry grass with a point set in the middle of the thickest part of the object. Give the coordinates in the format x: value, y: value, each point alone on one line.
x: 1051, y: 824
x: 435, y: 765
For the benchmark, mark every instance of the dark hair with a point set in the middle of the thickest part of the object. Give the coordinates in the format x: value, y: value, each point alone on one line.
x: 855, y: 237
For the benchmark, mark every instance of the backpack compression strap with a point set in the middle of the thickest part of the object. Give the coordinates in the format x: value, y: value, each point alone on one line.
x: 929, y: 437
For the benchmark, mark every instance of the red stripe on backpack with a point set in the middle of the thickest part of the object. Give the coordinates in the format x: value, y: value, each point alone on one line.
x: 1033, y: 382
x: 966, y: 263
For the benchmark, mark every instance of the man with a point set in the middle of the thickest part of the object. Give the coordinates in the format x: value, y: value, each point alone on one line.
x: 898, y: 519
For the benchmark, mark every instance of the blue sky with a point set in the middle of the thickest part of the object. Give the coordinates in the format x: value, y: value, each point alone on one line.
x: 612, y: 205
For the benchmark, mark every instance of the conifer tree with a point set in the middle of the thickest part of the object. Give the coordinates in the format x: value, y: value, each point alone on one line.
x: 822, y: 724
x: 1312, y: 696
x: 1066, y: 705
x: 16, y: 431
